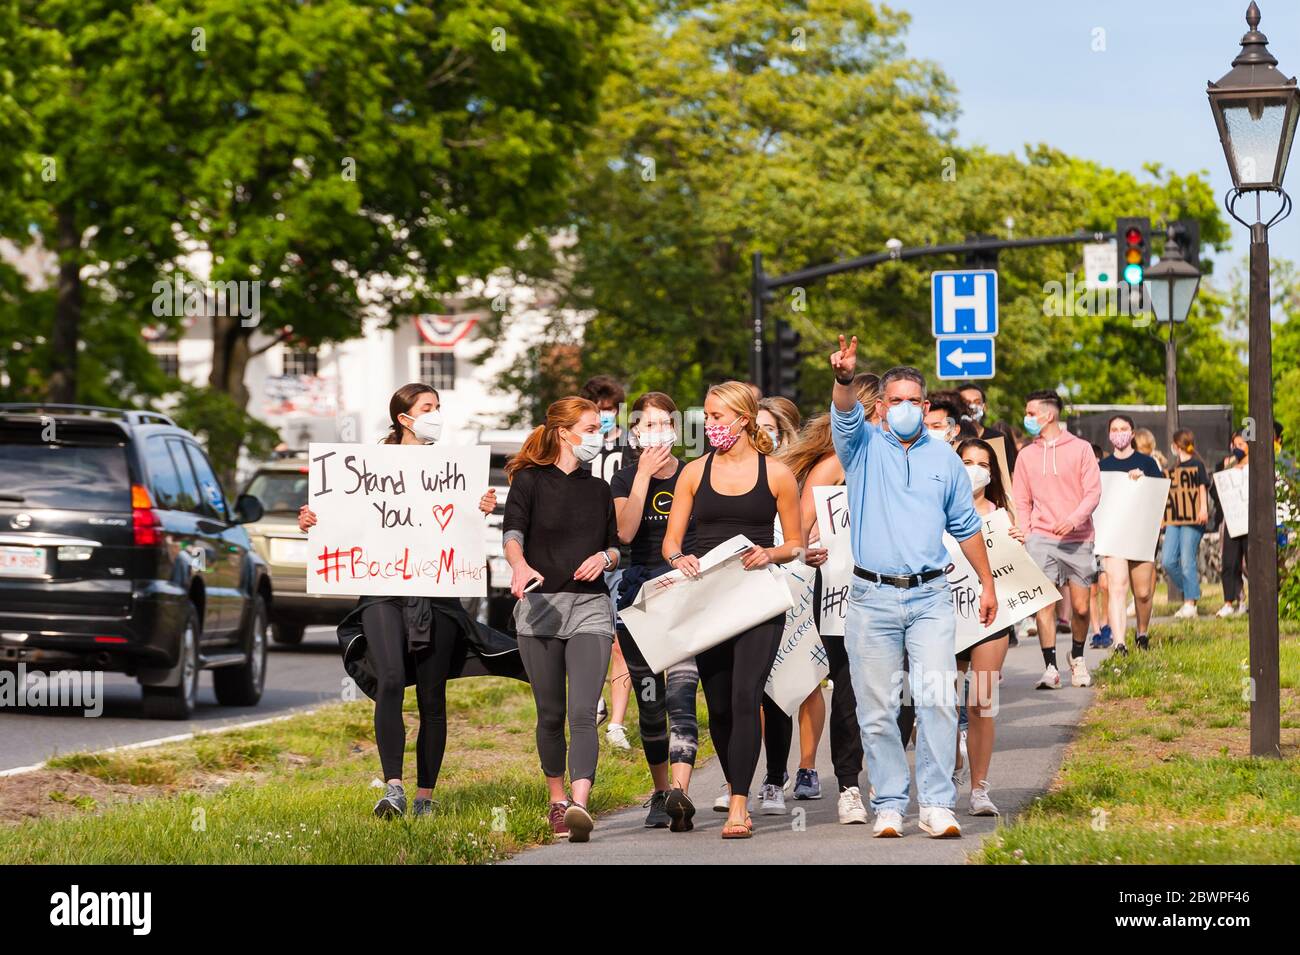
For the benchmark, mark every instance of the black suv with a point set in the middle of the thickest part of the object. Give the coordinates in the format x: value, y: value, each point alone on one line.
x: 118, y: 552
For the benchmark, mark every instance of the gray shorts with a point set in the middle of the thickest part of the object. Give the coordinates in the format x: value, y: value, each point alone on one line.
x: 1063, y: 560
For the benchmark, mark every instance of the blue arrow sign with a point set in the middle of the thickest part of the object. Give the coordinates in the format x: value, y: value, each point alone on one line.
x: 964, y: 302
x: 964, y: 357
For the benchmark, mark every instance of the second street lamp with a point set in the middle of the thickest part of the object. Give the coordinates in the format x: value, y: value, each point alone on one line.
x: 1255, y: 108
x: 1172, y: 283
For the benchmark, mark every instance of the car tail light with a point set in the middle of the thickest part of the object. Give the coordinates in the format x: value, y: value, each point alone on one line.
x: 110, y: 639
x: 144, y: 520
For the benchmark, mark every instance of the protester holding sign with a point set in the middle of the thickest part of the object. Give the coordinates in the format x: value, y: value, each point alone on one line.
x: 1122, y: 572
x: 814, y: 463
x: 1234, y: 548
x: 643, y: 496
x: 905, y: 490
x: 1186, y: 516
x: 1057, y: 486
x: 735, y: 489
x: 984, y: 658
x: 560, y: 536
x: 388, y: 641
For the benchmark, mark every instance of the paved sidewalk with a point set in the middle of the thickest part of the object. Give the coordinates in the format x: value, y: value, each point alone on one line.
x: 1033, y: 728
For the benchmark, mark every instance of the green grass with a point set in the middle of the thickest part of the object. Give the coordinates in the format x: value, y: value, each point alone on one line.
x: 1159, y: 772
x: 299, y: 791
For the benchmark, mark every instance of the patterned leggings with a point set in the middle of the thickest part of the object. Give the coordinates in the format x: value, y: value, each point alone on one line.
x: 665, y: 707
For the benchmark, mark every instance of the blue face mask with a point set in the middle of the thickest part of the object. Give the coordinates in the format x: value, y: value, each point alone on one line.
x: 607, y: 421
x: 905, y: 420
x: 1032, y: 427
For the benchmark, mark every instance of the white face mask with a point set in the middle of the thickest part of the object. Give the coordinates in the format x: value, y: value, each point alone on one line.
x: 655, y: 439
x: 774, y: 434
x: 427, y: 427
x: 939, y: 434
x: 589, y: 449
x: 979, y: 476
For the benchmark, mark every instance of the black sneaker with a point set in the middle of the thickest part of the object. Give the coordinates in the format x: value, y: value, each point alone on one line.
x: 393, y: 804
x: 680, y: 810
x: 1121, y: 650
x: 422, y: 807
x: 657, y: 818
x: 1143, y: 641
x: 1014, y: 641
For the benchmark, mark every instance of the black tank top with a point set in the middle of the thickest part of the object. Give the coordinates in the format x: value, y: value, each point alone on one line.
x: 719, y: 517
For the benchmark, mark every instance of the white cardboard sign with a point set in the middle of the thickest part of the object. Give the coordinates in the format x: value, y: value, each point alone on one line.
x: 397, y: 520
x: 1234, y: 499
x: 1127, y: 521
x: 801, y: 663
x: 833, y: 527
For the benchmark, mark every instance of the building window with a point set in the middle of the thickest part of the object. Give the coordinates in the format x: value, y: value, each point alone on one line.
x: 299, y: 362
x: 438, y: 367
x: 168, y: 355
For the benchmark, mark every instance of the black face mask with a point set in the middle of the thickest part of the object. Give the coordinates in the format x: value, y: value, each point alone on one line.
x: 1238, y: 453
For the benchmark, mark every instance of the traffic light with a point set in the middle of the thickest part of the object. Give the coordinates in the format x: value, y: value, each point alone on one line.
x: 1133, y: 242
x: 785, y: 381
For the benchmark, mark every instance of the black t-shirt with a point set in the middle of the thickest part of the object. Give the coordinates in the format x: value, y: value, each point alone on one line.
x: 1187, y: 478
x: 614, y: 453
x: 1143, y: 462
x: 563, y: 519
x: 647, y: 545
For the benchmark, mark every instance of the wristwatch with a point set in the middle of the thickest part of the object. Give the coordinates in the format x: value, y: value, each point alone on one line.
x: 608, y: 562
x: 844, y: 381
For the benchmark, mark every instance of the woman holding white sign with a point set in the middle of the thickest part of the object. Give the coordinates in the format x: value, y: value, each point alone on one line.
x: 984, y: 658
x: 1120, y: 572
x: 736, y: 489
x: 390, y: 642
x: 561, y: 535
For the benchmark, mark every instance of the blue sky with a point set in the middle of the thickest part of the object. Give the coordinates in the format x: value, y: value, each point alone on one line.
x: 1026, y: 72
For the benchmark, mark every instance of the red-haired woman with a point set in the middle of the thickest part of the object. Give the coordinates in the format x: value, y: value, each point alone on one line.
x: 560, y: 537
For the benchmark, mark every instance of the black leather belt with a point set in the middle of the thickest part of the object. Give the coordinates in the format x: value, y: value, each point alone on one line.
x: 894, y: 580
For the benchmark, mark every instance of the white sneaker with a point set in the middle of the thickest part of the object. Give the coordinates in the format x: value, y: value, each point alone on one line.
x: 1050, y: 680
x: 939, y: 822
x: 723, y: 802
x: 980, y: 803
x: 889, y: 824
x: 1185, y: 612
x: 962, y: 774
x: 1227, y: 610
x: 1241, y: 608
x: 773, y: 800
x: 851, y: 809
x: 1079, y: 672
x: 615, y: 735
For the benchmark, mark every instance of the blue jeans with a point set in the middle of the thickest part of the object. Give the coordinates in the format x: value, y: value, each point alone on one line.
x: 883, y: 620
x: 1182, y: 544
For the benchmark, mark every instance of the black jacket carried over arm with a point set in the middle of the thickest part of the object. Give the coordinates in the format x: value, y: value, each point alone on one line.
x: 482, y: 651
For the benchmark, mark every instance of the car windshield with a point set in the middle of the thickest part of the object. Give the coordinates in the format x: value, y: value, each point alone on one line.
x: 74, y: 477
x: 281, y: 492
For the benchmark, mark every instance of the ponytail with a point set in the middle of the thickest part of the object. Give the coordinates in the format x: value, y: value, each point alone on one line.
x: 542, y: 446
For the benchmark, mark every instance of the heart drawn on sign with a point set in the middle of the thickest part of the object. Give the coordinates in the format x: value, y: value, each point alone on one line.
x: 442, y: 514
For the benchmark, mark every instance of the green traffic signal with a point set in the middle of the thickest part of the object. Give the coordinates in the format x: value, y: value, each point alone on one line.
x: 1133, y: 274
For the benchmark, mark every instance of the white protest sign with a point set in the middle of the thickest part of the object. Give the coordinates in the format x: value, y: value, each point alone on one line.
x: 1234, y: 500
x: 1127, y: 521
x: 397, y: 520
x: 1022, y: 588
x: 800, y: 664
x: 837, y: 573
x: 674, y: 616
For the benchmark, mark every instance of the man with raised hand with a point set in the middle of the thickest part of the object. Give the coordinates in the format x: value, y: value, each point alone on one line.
x: 905, y: 490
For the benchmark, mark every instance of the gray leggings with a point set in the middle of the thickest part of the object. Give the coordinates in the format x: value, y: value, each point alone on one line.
x: 584, y: 659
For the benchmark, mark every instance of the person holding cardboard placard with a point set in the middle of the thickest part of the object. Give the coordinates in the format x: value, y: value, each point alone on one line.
x: 905, y: 490
x: 1187, y: 514
x: 388, y: 642
x: 1120, y: 572
x: 736, y: 489
x: 1057, y: 486
x: 977, y: 402
x: 561, y: 535
x: 1234, y: 548
x: 643, y: 496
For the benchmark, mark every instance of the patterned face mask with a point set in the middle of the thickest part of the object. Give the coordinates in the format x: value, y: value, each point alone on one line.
x: 721, y: 437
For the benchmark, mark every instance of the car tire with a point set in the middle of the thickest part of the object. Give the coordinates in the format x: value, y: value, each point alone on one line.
x: 242, y: 685
x: 178, y: 702
x: 288, y: 634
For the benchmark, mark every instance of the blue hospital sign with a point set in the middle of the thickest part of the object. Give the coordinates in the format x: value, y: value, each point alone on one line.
x: 964, y: 302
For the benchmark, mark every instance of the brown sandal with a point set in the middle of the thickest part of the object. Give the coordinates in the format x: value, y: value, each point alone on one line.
x: 742, y: 830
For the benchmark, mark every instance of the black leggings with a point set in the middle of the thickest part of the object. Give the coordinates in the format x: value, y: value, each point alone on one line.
x: 1234, y: 557
x: 846, y: 737
x: 386, y: 649
x: 778, y: 733
x: 734, y: 674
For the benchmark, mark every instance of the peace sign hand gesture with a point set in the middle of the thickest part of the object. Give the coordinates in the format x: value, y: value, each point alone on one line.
x: 845, y: 360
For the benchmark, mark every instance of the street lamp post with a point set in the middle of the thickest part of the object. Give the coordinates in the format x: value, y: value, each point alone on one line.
x: 1255, y: 108
x: 1172, y: 284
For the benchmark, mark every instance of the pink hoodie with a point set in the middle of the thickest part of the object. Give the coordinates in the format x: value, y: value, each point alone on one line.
x: 1055, y: 481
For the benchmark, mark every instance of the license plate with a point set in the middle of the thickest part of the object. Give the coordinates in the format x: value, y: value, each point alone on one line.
x: 22, y: 561
x: 500, y: 572
x: 288, y: 550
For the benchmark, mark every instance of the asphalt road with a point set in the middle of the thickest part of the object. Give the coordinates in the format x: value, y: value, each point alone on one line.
x: 1033, y: 728
x: 296, y: 678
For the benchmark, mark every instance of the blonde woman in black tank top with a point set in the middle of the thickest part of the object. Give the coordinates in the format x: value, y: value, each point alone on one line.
x: 736, y: 489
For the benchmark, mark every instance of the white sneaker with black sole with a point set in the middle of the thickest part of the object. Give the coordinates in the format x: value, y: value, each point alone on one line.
x: 1050, y: 680
x: 1079, y: 672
